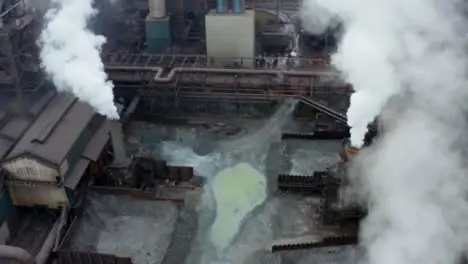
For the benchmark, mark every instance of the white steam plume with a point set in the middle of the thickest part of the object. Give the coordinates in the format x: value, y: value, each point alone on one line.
x: 414, y: 177
x: 315, y: 19
x: 70, y: 55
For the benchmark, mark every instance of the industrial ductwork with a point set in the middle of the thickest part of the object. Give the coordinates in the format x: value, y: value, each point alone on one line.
x: 117, y: 137
x: 118, y: 141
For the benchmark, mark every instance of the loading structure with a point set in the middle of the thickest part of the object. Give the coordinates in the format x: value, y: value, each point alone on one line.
x: 167, y: 83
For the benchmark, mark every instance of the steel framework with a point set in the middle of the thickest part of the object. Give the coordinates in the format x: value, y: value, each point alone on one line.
x: 170, y: 79
x: 19, y: 70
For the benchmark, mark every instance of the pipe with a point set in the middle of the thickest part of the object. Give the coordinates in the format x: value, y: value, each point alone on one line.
x: 159, y: 71
x: 265, y: 97
x: 16, y: 253
x: 324, y: 109
x: 118, y: 143
x: 220, y: 6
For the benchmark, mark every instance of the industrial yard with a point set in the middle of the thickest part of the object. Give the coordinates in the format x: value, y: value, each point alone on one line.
x: 177, y: 131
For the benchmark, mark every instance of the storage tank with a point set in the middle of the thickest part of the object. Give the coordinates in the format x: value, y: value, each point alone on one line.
x: 157, y: 8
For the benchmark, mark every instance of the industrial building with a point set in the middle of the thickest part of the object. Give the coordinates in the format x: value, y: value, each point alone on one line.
x: 168, y: 60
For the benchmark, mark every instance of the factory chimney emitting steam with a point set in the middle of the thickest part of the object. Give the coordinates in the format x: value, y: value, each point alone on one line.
x: 414, y: 51
x: 70, y: 55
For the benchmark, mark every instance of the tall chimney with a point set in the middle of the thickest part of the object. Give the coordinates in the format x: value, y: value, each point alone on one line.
x: 239, y: 6
x: 221, y: 6
x: 157, y: 8
x: 118, y: 141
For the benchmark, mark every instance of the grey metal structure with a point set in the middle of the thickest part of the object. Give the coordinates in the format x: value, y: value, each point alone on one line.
x: 19, y: 65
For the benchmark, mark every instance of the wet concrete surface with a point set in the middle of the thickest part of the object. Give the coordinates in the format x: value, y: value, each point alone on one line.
x: 279, y: 217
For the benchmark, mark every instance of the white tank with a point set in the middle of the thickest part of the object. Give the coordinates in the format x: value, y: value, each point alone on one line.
x: 157, y: 8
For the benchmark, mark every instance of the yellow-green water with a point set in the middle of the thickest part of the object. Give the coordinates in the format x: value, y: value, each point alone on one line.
x: 237, y: 191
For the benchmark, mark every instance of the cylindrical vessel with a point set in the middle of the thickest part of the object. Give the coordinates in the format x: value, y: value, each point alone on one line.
x: 239, y: 6
x: 157, y: 8
x: 221, y: 6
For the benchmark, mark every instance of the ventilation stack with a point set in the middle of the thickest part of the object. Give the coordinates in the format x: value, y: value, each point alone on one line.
x: 121, y: 158
x: 238, y: 6
x: 158, y: 32
x: 221, y: 6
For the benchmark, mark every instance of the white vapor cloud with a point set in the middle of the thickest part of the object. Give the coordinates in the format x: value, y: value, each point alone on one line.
x: 414, y: 179
x: 70, y: 55
x: 315, y: 19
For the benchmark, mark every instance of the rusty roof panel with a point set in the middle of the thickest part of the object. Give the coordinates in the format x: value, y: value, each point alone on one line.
x: 96, y: 144
x: 15, y: 127
x: 56, y: 146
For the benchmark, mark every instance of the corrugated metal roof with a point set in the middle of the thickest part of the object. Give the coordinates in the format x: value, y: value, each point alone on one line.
x: 63, y: 134
x: 54, y: 117
x: 15, y: 127
x: 96, y: 144
x: 72, y: 180
x: 41, y: 103
x: 3, y: 115
x: 5, y: 145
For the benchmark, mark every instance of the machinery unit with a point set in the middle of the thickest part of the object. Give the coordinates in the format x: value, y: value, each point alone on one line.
x: 231, y: 38
x: 158, y: 34
x: 157, y: 25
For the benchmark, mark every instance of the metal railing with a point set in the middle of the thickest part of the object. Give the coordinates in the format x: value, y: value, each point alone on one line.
x: 202, y: 61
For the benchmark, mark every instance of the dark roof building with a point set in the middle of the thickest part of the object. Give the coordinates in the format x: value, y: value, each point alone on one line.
x: 54, y: 150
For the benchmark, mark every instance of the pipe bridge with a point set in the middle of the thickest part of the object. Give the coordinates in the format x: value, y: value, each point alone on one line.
x: 312, y: 81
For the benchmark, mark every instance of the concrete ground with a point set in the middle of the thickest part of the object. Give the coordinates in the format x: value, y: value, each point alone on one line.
x: 214, y: 145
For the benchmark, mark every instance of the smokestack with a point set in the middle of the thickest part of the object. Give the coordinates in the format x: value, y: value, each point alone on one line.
x: 70, y: 55
x: 157, y: 8
x: 118, y: 142
x: 239, y: 6
x: 221, y: 6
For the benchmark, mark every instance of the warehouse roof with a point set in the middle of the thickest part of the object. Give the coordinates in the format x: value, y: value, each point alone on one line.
x: 55, y: 130
x: 12, y: 127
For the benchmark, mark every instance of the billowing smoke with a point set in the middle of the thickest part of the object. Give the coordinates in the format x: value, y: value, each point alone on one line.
x: 414, y: 177
x: 316, y: 19
x: 70, y: 55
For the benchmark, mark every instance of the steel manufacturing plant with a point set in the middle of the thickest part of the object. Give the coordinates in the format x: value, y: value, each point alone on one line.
x: 176, y: 131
